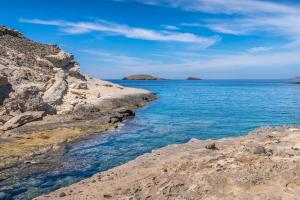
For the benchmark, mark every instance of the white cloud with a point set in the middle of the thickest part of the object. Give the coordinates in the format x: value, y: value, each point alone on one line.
x: 117, y: 59
x: 194, y: 62
x: 259, y: 49
x: 245, y: 16
x: 170, y: 27
x: 226, y: 7
x: 126, y: 31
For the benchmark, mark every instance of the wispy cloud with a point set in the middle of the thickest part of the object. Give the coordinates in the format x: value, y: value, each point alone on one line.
x: 117, y: 58
x: 170, y: 27
x: 259, y: 49
x: 194, y: 63
x: 226, y: 7
x: 244, y: 16
x: 126, y: 31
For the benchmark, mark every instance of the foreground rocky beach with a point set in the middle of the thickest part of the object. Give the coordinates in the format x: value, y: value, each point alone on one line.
x: 262, y: 165
x: 46, y: 102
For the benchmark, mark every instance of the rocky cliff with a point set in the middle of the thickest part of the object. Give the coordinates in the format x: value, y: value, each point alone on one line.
x: 38, y: 79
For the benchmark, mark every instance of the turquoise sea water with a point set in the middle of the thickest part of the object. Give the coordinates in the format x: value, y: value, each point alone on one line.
x: 208, y: 109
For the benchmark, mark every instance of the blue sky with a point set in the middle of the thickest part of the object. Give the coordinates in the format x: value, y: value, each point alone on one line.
x: 212, y: 39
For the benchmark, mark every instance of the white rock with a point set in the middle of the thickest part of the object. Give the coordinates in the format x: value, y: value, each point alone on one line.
x: 56, y: 92
x: 22, y: 119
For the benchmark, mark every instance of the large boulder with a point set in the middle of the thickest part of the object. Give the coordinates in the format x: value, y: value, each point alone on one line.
x: 56, y: 92
x: 26, y: 97
x: 61, y: 60
x: 22, y: 119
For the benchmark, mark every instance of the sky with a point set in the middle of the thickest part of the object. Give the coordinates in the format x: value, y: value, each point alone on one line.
x: 211, y: 39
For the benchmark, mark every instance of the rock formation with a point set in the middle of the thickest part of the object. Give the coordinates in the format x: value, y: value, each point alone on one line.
x: 297, y: 83
x: 39, y: 77
x: 141, y: 77
x: 192, y: 78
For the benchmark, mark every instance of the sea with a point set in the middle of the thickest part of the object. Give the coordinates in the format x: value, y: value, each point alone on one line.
x: 205, y: 109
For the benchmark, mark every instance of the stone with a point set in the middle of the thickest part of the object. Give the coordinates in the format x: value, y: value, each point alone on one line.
x: 108, y: 85
x: 56, y: 92
x: 62, y: 194
x: 259, y: 150
x: 82, y: 86
x: 296, y: 147
x: 3, y: 196
x: 211, y: 146
x: 22, y: 119
x: 5, y: 118
x: 107, y: 195
x: 3, y: 80
x: 61, y: 60
x: 26, y: 97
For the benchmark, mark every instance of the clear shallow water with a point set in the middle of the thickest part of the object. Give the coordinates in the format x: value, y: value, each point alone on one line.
x: 186, y: 109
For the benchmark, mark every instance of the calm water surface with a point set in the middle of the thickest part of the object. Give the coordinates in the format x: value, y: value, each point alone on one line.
x: 186, y: 109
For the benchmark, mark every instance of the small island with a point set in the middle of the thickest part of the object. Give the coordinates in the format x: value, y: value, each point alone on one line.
x: 295, y: 80
x: 142, y: 77
x: 296, y: 83
x: 191, y: 78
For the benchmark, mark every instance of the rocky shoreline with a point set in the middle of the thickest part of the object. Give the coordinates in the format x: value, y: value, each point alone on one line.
x: 46, y: 102
x: 265, y: 164
x: 22, y: 144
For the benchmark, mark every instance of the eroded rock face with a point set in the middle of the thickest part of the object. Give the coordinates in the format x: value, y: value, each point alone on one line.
x: 33, y: 76
x: 40, y: 77
x: 28, y: 72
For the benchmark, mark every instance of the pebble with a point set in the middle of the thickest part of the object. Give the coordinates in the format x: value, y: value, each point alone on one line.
x: 296, y: 147
x: 107, y: 196
x: 62, y: 194
x: 259, y: 150
x: 211, y: 146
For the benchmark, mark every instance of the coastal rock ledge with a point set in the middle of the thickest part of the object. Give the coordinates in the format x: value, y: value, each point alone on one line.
x: 45, y: 100
x: 262, y: 165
